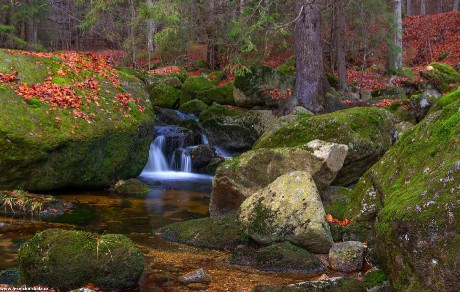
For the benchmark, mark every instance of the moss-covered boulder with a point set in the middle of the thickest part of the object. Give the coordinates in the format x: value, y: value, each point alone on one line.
x: 420, y: 104
x: 211, y: 232
x: 412, y: 195
x: 165, y: 96
x: 221, y: 95
x: 288, y: 209
x: 194, y: 106
x: 239, y: 178
x: 92, y: 130
x: 278, y: 257
x: 262, y: 86
x: 329, y: 285
x: 130, y: 186
x: 233, y: 130
x: 441, y: 76
x: 70, y: 259
x: 194, y: 85
x: 368, y: 133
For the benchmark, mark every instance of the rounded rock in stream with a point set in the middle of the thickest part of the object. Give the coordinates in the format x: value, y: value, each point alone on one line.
x: 130, y: 186
x: 197, y: 276
x: 70, y: 259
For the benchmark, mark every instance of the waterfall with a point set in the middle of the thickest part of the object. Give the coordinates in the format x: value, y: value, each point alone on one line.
x: 185, y: 162
x: 157, y: 161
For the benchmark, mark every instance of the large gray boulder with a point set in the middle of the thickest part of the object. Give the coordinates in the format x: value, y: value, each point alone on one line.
x: 368, y: 133
x: 237, y: 132
x: 239, y: 178
x: 289, y: 209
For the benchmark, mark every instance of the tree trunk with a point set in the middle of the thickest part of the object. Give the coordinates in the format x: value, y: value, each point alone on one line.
x: 212, y: 52
x: 456, y: 5
x: 394, y: 46
x: 439, y: 6
x: 311, y: 83
x: 151, y: 28
x: 340, y: 44
x: 409, y: 8
x: 422, y: 7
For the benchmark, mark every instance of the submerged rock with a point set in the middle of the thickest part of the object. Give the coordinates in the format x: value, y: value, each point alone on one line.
x: 239, y: 178
x: 197, y: 276
x: 212, y: 232
x: 347, y: 256
x: 289, y: 209
x: 278, y: 257
x: 413, y: 191
x: 332, y: 284
x: 368, y: 133
x: 71, y: 259
x: 130, y: 186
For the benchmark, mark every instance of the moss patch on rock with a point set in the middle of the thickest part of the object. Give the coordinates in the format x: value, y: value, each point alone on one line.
x: 43, y: 147
x: 212, y: 232
x: 194, y: 85
x: 368, y: 133
x: 278, y: 257
x: 166, y: 96
x: 221, y: 95
x: 413, y: 192
x: 70, y: 259
x: 195, y: 107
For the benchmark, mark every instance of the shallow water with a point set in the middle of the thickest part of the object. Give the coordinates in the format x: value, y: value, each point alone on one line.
x: 174, y: 197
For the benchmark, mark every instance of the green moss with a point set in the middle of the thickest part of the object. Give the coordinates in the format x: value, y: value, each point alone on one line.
x: 43, y: 149
x: 411, y: 188
x: 288, y: 67
x: 70, y: 259
x: 165, y: 96
x: 193, y: 85
x: 448, y: 99
x: 346, y: 127
x: 216, y: 77
x: 374, y: 279
x: 211, y: 232
x: 405, y: 72
x: 217, y: 110
x: 446, y: 69
x: 193, y: 107
x: 221, y: 95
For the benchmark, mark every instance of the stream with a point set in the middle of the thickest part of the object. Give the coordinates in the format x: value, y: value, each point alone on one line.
x: 176, y: 194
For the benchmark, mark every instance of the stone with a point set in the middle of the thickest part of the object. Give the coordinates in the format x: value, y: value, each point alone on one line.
x: 212, y: 232
x: 2, y: 224
x: 220, y: 95
x: 237, y: 131
x: 194, y: 106
x: 202, y: 155
x: 239, y: 178
x: 421, y: 104
x: 70, y: 259
x: 193, y: 86
x: 253, y: 88
x: 337, y: 284
x: 43, y: 152
x: 130, y: 186
x: 288, y: 209
x: 441, y: 76
x: 197, y: 276
x: 278, y: 257
x: 347, y: 256
x: 368, y: 133
x: 402, y: 128
x: 165, y: 96
x: 408, y: 203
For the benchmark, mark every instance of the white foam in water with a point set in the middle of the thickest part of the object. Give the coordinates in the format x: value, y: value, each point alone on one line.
x: 157, y: 160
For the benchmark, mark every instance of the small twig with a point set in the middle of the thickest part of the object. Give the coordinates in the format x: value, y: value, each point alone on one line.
x: 294, y: 21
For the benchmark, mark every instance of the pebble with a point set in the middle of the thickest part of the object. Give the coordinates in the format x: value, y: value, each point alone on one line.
x: 197, y: 276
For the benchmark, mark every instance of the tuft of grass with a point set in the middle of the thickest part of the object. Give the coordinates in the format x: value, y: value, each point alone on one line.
x: 20, y: 200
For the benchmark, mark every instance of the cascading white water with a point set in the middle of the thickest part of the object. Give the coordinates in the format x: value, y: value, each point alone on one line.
x: 185, y: 162
x: 157, y: 161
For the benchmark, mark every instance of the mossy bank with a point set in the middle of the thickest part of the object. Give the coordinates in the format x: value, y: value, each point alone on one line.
x: 44, y: 146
